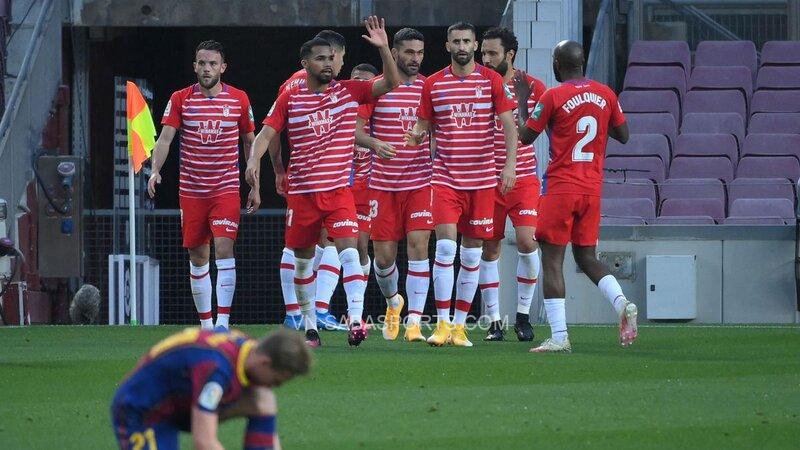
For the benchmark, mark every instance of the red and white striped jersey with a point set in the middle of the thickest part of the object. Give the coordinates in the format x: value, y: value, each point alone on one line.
x: 462, y: 112
x: 210, y: 128
x: 392, y: 115
x: 526, y: 154
x: 322, y: 132
x: 362, y: 160
x: 293, y: 80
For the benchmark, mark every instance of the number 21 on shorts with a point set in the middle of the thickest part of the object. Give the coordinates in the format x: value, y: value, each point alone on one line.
x: 588, y: 125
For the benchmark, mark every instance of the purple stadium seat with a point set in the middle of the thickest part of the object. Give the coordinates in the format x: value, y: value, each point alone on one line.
x: 718, y: 167
x: 727, y: 53
x: 636, y: 168
x: 754, y: 221
x: 629, y: 189
x: 655, y: 123
x: 715, y: 102
x: 780, y: 53
x: 776, y: 77
x: 717, y: 78
x: 763, y: 208
x: 775, y: 101
x: 724, y: 123
x: 774, y: 123
x: 655, y: 78
x: 684, y: 220
x: 641, y: 145
x: 692, y: 188
x: 771, y: 145
x: 769, y: 167
x: 760, y: 188
x: 661, y: 53
x: 650, y: 102
x: 629, y: 208
x: 604, y: 220
x: 703, y: 207
x: 706, y: 144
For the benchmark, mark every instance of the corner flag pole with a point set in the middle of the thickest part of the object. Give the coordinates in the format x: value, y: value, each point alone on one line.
x: 132, y: 282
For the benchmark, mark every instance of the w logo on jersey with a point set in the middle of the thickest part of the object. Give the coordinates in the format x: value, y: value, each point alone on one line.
x: 320, y: 122
x: 209, y: 131
x: 408, y: 117
x: 462, y: 114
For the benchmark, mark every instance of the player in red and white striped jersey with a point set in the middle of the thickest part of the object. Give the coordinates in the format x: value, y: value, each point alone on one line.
x: 320, y: 117
x: 461, y: 102
x: 212, y: 117
x: 498, y: 49
x: 400, y: 188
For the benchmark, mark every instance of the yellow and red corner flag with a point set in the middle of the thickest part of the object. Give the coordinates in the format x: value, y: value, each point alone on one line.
x: 141, y: 131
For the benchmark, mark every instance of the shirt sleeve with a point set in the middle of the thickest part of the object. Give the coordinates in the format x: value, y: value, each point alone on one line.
x: 278, y: 114
x: 365, y: 110
x: 425, y: 110
x: 209, y: 382
x: 540, y: 116
x: 617, y: 116
x: 172, y: 113
x: 501, y: 96
x: 361, y: 90
x: 246, y: 119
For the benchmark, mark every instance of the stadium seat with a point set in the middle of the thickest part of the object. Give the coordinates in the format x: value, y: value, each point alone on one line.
x: 774, y: 123
x: 769, y: 167
x: 764, y: 209
x: 780, y: 53
x: 727, y: 53
x: 760, y: 188
x: 722, y: 78
x: 655, y: 78
x: 641, y: 208
x: 706, y: 144
x: 684, y: 220
x: 622, y: 221
x: 754, y: 221
x: 641, y: 145
x: 658, y: 123
x: 717, y: 167
x: 725, y: 123
x: 650, y: 102
x: 775, y: 101
x: 694, y: 207
x: 765, y: 144
x: 661, y: 53
x: 692, y: 188
x: 775, y: 77
x: 617, y: 189
x: 715, y: 102
x: 636, y: 168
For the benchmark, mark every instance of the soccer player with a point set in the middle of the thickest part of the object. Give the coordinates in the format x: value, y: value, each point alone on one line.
x: 195, y: 379
x: 400, y: 188
x: 212, y: 116
x: 461, y: 102
x: 498, y: 49
x: 581, y: 114
x: 320, y: 117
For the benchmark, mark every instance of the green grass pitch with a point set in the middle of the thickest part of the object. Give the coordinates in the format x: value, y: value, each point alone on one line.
x: 677, y: 387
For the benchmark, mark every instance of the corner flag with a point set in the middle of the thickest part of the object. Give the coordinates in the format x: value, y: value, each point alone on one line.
x: 141, y: 131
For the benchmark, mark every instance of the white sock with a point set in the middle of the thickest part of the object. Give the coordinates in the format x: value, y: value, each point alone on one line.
x: 327, y: 270
x: 200, y: 281
x: 318, y: 252
x: 443, y: 277
x: 466, y: 283
x: 418, y: 281
x: 287, y: 282
x: 226, y: 286
x: 556, y: 317
x: 387, y: 280
x: 612, y: 292
x: 366, y: 268
x: 354, y: 282
x: 489, y: 283
x: 304, y: 289
x: 527, y: 274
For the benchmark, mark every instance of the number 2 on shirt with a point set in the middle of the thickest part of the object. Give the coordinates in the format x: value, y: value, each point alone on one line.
x: 588, y: 125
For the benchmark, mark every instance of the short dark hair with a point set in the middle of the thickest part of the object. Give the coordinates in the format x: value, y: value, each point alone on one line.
x: 211, y: 45
x: 335, y: 39
x: 461, y: 26
x: 506, y: 36
x: 305, y: 49
x: 366, y: 67
x: 407, y: 34
x: 287, y: 352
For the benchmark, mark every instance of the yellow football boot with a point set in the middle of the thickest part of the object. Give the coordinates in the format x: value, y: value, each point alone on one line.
x: 391, y: 323
x: 413, y: 334
x: 441, y: 336
x: 459, y: 337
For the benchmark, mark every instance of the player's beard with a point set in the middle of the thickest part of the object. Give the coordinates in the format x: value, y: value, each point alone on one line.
x: 208, y: 84
x: 502, y: 68
x: 324, y: 77
x: 463, y: 59
x: 408, y: 70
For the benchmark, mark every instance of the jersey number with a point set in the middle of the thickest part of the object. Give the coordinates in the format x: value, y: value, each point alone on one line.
x: 373, y: 209
x: 138, y: 440
x: 289, y: 216
x: 588, y: 125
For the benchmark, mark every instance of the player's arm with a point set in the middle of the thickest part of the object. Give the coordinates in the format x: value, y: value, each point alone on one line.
x: 382, y: 149
x: 416, y: 135
x: 160, y: 153
x: 523, y: 91
x: 509, y: 174
x: 617, y: 127
x: 274, y: 151
x: 376, y: 35
x: 260, y: 145
x: 620, y: 133
x: 204, y: 430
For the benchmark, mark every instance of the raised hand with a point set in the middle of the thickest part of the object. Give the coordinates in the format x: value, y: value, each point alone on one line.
x: 376, y: 32
x: 521, y: 86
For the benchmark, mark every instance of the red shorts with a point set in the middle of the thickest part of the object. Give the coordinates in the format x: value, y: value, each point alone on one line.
x: 306, y: 214
x: 400, y: 212
x: 472, y: 210
x: 568, y: 218
x: 364, y: 207
x: 520, y: 205
x: 204, y: 218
